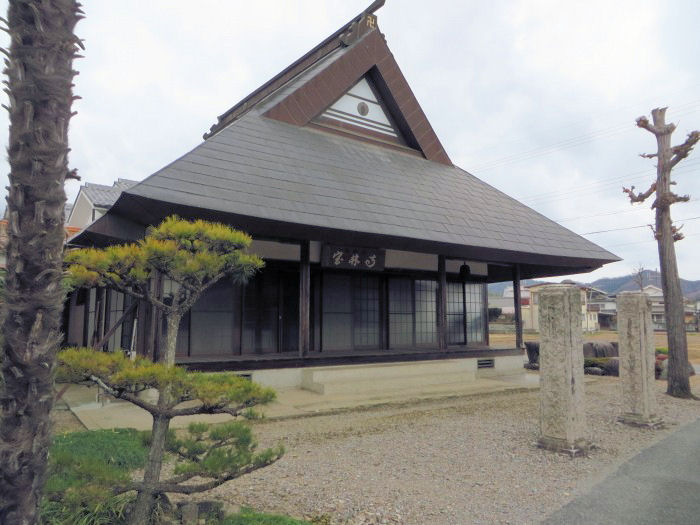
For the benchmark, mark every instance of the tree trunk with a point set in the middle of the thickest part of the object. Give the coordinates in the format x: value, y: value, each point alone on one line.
x: 154, y: 463
x: 678, y: 373
x: 40, y: 75
x: 678, y: 376
x: 170, y: 344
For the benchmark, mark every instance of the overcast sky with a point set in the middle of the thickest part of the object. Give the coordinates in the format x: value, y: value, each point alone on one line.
x: 537, y: 98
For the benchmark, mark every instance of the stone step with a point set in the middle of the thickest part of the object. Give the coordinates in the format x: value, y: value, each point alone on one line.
x: 388, y: 384
x: 387, y: 370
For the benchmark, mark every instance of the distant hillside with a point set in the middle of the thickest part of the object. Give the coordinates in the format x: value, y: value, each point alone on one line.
x: 498, y: 288
x: 613, y: 285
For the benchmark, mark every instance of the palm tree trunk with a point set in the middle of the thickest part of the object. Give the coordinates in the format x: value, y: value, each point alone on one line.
x: 40, y: 76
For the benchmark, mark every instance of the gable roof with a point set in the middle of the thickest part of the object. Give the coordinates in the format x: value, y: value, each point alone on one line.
x: 316, y: 54
x: 324, y: 74
x: 266, y: 168
x: 102, y: 196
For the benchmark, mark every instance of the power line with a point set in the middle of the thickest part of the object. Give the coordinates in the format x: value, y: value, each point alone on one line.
x: 570, y: 142
x: 600, y: 185
x: 621, y: 112
x: 607, y: 213
x: 649, y: 240
x: 635, y: 227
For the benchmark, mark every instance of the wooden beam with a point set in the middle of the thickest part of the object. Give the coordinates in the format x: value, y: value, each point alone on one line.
x: 516, y: 304
x: 157, y: 328
x: 116, y: 325
x: 442, y: 304
x: 99, y: 309
x: 304, y: 298
x: 141, y: 345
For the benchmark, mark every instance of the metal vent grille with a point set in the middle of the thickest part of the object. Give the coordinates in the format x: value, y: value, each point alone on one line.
x: 485, y: 363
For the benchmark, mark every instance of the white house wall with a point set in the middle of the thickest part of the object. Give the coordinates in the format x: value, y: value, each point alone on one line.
x: 81, y: 214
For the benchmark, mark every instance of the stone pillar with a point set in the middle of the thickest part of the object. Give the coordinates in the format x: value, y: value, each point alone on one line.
x: 637, y: 360
x: 562, y: 403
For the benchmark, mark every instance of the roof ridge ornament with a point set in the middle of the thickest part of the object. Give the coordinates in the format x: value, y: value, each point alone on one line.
x: 366, y: 23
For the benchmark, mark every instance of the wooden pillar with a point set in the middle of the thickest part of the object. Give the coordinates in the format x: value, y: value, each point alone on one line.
x: 304, y: 298
x: 516, y: 304
x: 157, y: 333
x: 141, y: 320
x: 485, y: 300
x: 99, y: 311
x: 442, y: 304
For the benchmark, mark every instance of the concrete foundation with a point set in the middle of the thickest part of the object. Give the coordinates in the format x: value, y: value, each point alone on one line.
x: 562, y: 407
x: 636, y: 336
x: 385, y: 376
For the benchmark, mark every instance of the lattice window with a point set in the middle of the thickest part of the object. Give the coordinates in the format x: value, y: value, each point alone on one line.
x: 426, y: 312
x: 475, y: 312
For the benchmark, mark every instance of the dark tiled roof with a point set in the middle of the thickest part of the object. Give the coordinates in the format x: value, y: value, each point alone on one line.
x: 263, y: 168
x: 104, y: 196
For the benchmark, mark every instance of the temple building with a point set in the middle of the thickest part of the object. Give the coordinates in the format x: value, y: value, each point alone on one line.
x: 377, y: 247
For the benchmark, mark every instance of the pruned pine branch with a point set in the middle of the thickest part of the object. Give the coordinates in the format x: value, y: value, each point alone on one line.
x: 218, y: 408
x: 682, y: 151
x: 639, y: 197
x: 174, y: 486
x: 648, y: 155
x: 121, y: 393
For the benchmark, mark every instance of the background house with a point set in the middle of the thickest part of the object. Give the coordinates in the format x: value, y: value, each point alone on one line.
x: 591, y: 298
x: 658, y: 314
x: 93, y: 201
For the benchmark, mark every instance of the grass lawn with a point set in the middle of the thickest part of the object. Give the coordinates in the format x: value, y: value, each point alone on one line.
x: 83, y: 462
x: 250, y: 517
x: 659, y: 339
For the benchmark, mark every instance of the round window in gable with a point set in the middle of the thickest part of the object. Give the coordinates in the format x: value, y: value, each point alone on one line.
x: 363, y: 109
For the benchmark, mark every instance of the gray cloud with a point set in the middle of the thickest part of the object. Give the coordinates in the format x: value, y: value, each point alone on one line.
x: 536, y: 98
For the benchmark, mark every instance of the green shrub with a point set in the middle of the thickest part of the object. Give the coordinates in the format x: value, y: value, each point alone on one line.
x: 595, y: 361
x: 82, y: 468
x: 662, y: 351
x: 109, y: 511
x: 122, y: 447
x: 609, y: 365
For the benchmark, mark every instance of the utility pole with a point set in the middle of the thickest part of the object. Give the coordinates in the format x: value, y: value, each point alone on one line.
x: 666, y: 234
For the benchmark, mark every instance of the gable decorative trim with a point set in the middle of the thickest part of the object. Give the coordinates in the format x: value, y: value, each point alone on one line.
x: 368, y: 56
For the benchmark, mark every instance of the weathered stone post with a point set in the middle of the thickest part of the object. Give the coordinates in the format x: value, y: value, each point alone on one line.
x: 562, y: 403
x: 637, y: 358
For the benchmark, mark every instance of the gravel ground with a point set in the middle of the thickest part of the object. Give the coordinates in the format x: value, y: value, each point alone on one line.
x: 456, y: 461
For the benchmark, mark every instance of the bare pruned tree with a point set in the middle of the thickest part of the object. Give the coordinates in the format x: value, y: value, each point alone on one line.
x: 666, y: 234
x: 638, y: 276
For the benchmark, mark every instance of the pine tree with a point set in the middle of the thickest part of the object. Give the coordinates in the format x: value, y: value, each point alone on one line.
x: 194, y: 255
